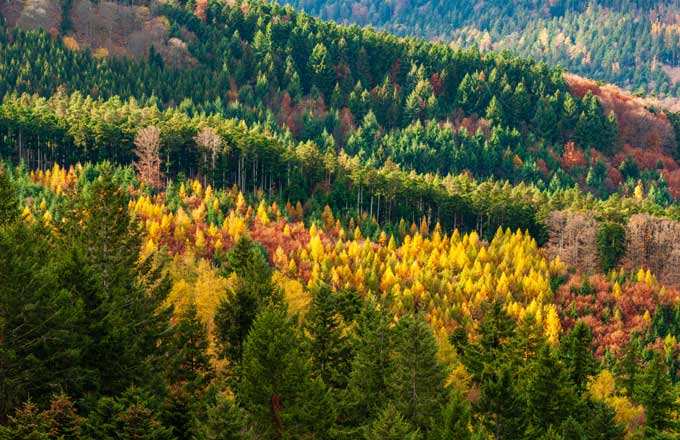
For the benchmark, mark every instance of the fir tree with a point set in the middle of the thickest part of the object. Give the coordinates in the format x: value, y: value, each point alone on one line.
x: 391, y: 425
x: 578, y: 355
x: 328, y: 345
x: 417, y: 382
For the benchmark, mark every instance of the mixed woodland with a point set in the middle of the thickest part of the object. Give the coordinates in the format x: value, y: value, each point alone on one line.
x: 295, y: 229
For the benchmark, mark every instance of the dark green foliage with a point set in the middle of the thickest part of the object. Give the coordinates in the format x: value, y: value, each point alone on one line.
x: 187, y: 355
x: 28, y: 423
x: 416, y: 386
x: 577, y: 352
x: 124, y: 295
x: 371, y: 368
x: 391, y: 425
x: 9, y: 205
x: 601, y: 423
x: 611, y: 244
x: 455, y: 419
x: 134, y: 415
x: 551, y: 396
x: 275, y: 375
x: 654, y: 390
x: 254, y: 288
x: 225, y: 421
x: 328, y: 346
x: 43, y: 347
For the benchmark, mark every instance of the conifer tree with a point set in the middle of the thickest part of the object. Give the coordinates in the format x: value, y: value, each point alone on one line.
x: 578, y: 354
x: 9, y: 205
x: 328, y: 345
x: 550, y: 395
x: 274, y: 375
x: 391, y: 425
x: 654, y: 390
x: 417, y: 382
x: 187, y: 350
x: 371, y: 367
x: 254, y: 289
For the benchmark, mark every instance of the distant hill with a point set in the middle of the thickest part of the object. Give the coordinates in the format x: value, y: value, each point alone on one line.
x: 634, y: 44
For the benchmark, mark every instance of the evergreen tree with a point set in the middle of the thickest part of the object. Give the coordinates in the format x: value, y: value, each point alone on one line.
x: 551, y: 397
x: 578, y: 354
x: 133, y: 415
x: 253, y: 289
x: 455, y: 420
x: 328, y: 345
x: 125, y: 311
x: 417, y: 382
x: 225, y: 421
x: 187, y: 351
x: 9, y: 204
x: 391, y: 425
x: 654, y: 390
x: 275, y: 376
x: 371, y: 367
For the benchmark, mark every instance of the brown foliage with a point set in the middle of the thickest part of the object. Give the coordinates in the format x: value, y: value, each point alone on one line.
x: 573, y: 237
x: 638, y: 126
x: 201, y: 6
x: 148, y: 165
x: 652, y: 242
x: 573, y: 157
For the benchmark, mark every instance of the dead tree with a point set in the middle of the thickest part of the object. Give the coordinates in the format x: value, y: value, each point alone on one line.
x: 148, y: 165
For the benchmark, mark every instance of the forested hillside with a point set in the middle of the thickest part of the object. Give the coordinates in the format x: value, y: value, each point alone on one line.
x: 633, y: 44
x: 236, y: 221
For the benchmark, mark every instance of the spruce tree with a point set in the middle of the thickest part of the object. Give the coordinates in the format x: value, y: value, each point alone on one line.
x: 371, y: 367
x: 654, y: 390
x: 391, y: 425
x: 578, y: 355
x: 328, y: 345
x: 551, y: 397
x: 417, y: 381
x: 253, y: 289
x: 274, y: 375
x: 187, y: 355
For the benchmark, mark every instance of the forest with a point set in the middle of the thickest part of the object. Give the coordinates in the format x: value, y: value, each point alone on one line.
x: 293, y: 229
x: 631, y: 43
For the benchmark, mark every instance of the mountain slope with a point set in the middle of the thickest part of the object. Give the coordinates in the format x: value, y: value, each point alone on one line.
x: 633, y: 44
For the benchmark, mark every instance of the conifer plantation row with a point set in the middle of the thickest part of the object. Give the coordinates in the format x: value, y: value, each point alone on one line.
x: 310, y: 231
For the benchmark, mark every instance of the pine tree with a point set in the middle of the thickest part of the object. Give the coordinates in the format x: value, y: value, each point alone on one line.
x: 328, y: 346
x: 253, y: 289
x: 601, y: 423
x: 65, y: 423
x: 123, y: 294
x: 371, y: 367
x: 41, y: 321
x: 28, y: 423
x: 550, y: 395
x: 391, y: 425
x: 187, y: 351
x: 455, y: 419
x: 578, y: 355
x: 225, y: 421
x: 654, y: 390
x: 417, y: 382
x: 133, y: 415
x: 274, y: 374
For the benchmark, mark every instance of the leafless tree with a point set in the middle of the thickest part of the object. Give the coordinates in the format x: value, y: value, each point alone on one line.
x: 148, y: 165
x: 210, y: 144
